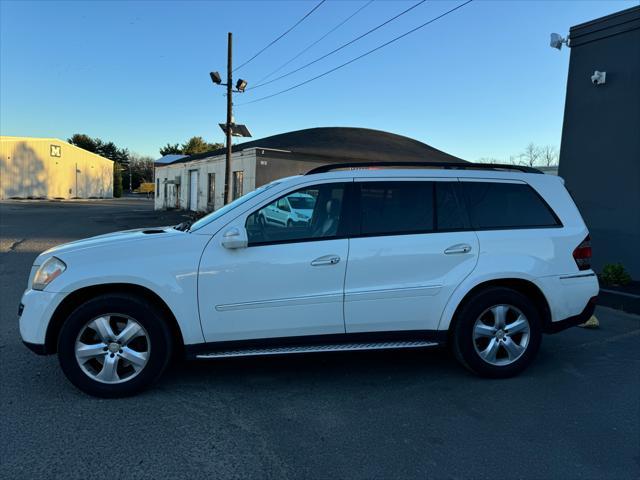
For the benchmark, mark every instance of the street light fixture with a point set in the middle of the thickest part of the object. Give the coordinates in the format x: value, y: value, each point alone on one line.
x: 241, y: 85
x: 215, y: 78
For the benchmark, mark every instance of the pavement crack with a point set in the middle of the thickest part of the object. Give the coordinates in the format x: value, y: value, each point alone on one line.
x: 15, y: 244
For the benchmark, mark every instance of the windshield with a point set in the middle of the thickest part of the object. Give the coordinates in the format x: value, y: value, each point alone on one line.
x: 302, y: 203
x: 230, y: 206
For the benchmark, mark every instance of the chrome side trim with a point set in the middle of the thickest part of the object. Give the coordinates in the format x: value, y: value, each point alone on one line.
x: 577, y: 275
x: 337, y: 347
x: 281, y: 302
x: 420, y: 291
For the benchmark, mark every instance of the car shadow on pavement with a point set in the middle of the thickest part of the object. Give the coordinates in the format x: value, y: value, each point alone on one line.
x: 320, y: 367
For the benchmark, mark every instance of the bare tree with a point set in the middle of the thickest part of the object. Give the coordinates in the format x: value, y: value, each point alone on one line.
x: 549, y: 155
x: 531, y: 155
x: 514, y: 159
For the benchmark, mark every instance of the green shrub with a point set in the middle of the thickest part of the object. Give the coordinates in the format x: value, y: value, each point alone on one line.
x: 614, y: 274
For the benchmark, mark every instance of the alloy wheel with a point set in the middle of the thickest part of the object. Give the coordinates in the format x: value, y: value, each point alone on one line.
x: 501, y: 335
x: 112, y: 348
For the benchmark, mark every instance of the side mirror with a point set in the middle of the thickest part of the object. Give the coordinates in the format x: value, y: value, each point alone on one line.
x: 235, y: 237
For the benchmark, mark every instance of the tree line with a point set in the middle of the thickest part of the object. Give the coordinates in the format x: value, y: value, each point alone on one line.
x: 190, y: 147
x: 533, y: 155
x: 130, y: 169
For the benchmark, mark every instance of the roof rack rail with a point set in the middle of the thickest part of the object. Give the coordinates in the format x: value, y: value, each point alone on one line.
x: 446, y: 165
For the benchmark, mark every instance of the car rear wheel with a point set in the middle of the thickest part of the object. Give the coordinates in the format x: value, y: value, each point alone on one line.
x: 497, y: 333
x: 114, y: 345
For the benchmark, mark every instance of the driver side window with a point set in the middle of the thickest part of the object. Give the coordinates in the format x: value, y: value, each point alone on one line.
x: 311, y: 213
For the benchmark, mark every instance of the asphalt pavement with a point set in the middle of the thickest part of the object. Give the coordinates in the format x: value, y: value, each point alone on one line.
x: 575, y: 413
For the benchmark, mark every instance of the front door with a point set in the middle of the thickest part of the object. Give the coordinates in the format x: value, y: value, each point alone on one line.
x: 287, y: 282
x: 193, y: 190
x: 410, y: 254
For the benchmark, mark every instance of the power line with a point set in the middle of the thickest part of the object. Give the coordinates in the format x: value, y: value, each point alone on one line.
x: 317, y: 41
x: 340, y: 47
x: 359, y: 56
x: 282, y: 35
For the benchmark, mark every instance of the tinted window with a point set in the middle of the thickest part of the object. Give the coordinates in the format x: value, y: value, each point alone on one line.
x: 450, y: 214
x: 506, y: 205
x: 320, y: 216
x: 389, y: 208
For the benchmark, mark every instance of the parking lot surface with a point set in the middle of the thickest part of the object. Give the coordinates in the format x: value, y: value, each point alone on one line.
x: 386, y: 414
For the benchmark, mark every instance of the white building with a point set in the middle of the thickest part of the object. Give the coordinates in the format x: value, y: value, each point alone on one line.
x: 197, y: 182
x: 51, y: 168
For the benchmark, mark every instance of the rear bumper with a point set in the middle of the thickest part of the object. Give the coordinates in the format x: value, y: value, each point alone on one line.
x: 582, y: 317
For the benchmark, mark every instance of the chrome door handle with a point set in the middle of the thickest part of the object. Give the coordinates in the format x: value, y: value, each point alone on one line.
x: 459, y: 248
x: 326, y: 260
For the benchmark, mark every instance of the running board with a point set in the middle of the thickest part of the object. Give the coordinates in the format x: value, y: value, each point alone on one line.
x: 335, y: 347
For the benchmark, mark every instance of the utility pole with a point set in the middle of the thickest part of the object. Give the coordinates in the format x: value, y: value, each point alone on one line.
x: 227, y: 168
x: 229, y: 127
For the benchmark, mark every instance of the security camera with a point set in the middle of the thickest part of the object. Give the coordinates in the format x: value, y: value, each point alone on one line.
x: 557, y: 40
x: 599, y: 78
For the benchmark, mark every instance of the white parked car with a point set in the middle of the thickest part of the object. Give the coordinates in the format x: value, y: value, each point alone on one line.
x: 286, y: 211
x: 485, y: 259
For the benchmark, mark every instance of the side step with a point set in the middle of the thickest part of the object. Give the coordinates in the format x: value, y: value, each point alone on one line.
x: 329, y: 347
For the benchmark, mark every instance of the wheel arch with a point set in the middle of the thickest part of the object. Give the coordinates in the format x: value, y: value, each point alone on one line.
x: 75, y: 298
x: 524, y: 286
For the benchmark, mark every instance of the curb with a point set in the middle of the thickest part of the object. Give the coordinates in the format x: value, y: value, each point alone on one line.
x: 627, y: 302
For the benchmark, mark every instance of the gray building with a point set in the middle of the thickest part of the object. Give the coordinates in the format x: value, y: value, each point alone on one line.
x: 600, y: 149
x: 197, y: 182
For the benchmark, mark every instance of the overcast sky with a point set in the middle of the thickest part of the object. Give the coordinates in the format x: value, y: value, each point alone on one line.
x: 480, y: 82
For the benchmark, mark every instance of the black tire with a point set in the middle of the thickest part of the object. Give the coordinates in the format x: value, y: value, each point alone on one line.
x: 146, y: 314
x: 465, y: 347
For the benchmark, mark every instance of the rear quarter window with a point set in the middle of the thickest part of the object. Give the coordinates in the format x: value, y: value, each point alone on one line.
x: 493, y: 205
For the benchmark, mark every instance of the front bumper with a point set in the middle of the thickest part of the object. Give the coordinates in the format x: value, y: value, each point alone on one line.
x: 35, y: 312
x: 582, y: 317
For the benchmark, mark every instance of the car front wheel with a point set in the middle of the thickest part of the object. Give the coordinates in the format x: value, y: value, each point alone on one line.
x: 114, y: 345
x: 497, y: 333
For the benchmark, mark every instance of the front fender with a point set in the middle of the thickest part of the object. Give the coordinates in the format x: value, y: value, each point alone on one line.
x: 168, y: 267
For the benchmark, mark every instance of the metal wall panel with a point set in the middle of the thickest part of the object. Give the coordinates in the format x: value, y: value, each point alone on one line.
x: 51, y: 168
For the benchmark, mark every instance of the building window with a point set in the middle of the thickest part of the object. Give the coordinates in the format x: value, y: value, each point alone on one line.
x: 238, y: 178
x: 211, y: 189
x: 157, y: 187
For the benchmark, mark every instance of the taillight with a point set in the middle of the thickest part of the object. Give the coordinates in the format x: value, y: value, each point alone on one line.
x: 582, y: 254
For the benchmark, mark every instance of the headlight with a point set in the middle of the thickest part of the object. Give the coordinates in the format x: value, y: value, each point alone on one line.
x: 49, y: 270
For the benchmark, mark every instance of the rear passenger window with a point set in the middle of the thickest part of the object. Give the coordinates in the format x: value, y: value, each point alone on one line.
x: 494, y: 205
x: 393, y: 208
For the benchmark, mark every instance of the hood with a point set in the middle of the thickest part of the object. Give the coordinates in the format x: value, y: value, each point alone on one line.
x: 139, y: 234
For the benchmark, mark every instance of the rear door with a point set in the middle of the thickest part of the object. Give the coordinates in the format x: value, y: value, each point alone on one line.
x: 411, y: 250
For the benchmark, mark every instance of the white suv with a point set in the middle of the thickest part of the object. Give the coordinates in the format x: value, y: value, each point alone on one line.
x: 483, y: 258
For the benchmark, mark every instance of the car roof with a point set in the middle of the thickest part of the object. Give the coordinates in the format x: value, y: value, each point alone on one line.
x: 425, y: 173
